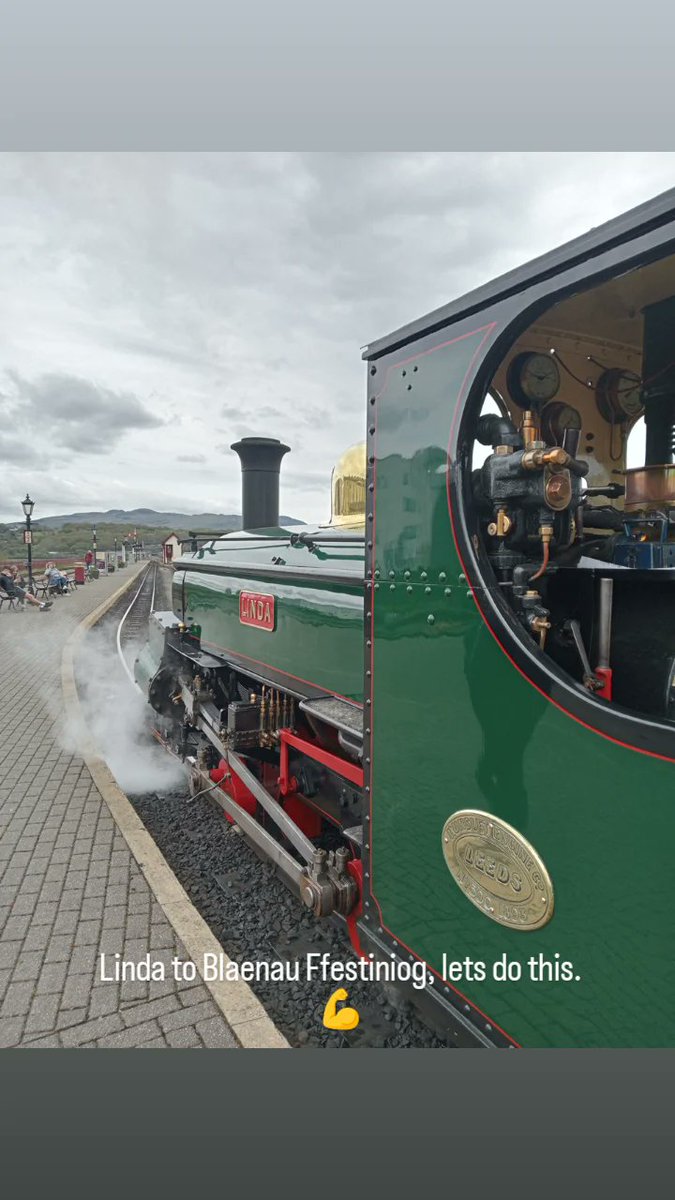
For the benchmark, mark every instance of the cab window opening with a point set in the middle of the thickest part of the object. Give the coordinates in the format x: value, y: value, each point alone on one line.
x: 572, y: 487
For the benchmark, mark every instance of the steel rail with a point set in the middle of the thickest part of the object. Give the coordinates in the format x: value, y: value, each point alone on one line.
x: 120, y: 651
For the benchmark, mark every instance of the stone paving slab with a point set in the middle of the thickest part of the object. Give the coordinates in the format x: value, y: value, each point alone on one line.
x: 70, y: 888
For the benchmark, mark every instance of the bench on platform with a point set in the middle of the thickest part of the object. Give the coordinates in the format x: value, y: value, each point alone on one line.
x: 44, y: 590
x: 10, y: 600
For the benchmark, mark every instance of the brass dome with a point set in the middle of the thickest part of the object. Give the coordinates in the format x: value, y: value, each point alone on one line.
x: 348, y: 488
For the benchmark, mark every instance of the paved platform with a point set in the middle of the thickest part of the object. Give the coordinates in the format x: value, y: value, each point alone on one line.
x: 70, y: 888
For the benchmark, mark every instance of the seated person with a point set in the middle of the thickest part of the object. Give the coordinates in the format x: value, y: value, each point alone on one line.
x: 55, y: 580
x: 15, y: 592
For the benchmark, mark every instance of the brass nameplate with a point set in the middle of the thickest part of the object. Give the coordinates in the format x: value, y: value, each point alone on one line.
x: 497, y: 869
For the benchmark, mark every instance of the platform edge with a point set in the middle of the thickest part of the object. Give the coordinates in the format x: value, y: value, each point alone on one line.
x: 240, y: 1007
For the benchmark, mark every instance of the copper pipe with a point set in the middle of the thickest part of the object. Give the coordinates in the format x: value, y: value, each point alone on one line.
x: 544, y: 564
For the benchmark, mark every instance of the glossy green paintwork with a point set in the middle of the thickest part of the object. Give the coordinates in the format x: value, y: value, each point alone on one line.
x: 455, y: 725
x: 318, y: 636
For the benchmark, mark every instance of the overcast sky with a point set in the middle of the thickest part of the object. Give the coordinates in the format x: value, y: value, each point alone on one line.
x: 154, y: 308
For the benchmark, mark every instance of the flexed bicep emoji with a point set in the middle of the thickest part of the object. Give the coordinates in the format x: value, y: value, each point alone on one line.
x: 343, y: 1019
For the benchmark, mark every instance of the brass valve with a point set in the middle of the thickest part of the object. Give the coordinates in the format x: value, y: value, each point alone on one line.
x: 501, y: 526
x: 534, y: 460
x: 537, y: 615
x: 541, y: 626
x: 528, y: 430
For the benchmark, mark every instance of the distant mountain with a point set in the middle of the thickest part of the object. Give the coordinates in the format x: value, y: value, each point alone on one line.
x: 148, y: 518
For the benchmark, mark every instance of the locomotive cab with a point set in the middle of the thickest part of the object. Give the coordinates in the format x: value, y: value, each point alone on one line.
x: 571, y: 488
x: 519, y: 579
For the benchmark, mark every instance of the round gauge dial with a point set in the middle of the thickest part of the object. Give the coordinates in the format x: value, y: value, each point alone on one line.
x: 533, y: 378
x: 618, y: 395
x: 555, y: 419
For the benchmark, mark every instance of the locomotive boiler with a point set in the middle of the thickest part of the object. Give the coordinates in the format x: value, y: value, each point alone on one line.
x: 448, y: 715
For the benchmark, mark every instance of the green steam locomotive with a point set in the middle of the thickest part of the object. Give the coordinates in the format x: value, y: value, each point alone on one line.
x: 448, y: 716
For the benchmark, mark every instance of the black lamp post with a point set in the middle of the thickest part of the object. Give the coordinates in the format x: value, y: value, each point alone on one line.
x: 115, y: 559
x: 93, y: 545
x: 28, y: 506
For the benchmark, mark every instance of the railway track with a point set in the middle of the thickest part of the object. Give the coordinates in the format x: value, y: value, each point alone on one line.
x: 247, y: 906
x: 133, y: 625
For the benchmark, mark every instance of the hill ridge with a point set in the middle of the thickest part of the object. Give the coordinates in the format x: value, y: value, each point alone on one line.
x: 149, y: 518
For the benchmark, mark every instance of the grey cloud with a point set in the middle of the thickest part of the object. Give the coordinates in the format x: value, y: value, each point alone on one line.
x: 14, y: 450
x: 48, y: 488
x: 262, y: 414
x: 77, y: 413
x: 191, y: 458
x: 288, y: 414
x: 267, y: 412
x: 233, y: 293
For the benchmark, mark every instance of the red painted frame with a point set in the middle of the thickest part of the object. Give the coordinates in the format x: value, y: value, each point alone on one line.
x: 334, y: 763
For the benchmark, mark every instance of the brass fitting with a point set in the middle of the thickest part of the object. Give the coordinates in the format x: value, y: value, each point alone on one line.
x: 529, y: 429
x: 537, y: 622
x: 534, y: 460
x: 502, y: 525
x: 556, y: 457
x: 557, y: 489
x: 541, y: 626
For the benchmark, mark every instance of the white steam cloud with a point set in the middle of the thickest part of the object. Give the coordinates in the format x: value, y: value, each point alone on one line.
x: 118, y: 719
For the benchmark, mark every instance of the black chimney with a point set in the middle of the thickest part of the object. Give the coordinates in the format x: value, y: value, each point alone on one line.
x: 260, y: 462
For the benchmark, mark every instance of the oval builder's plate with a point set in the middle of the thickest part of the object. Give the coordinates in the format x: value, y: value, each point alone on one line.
x: 497, y: 869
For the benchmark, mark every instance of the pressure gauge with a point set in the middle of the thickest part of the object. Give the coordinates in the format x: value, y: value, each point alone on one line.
x: 533, y: 379
x: 555, y: 419
x: 618, y: 395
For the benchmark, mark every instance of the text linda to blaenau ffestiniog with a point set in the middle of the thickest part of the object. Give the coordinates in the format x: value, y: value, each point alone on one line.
x: 322, y: 967
x: 113, y: 968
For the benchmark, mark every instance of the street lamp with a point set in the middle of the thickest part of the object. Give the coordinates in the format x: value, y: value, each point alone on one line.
x: 93, y: 544
x: 28, y: 506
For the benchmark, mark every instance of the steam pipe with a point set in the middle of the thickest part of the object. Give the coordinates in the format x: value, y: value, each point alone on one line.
x: 603, y: 669
x: 605, y: 621
x: 497, y: 431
